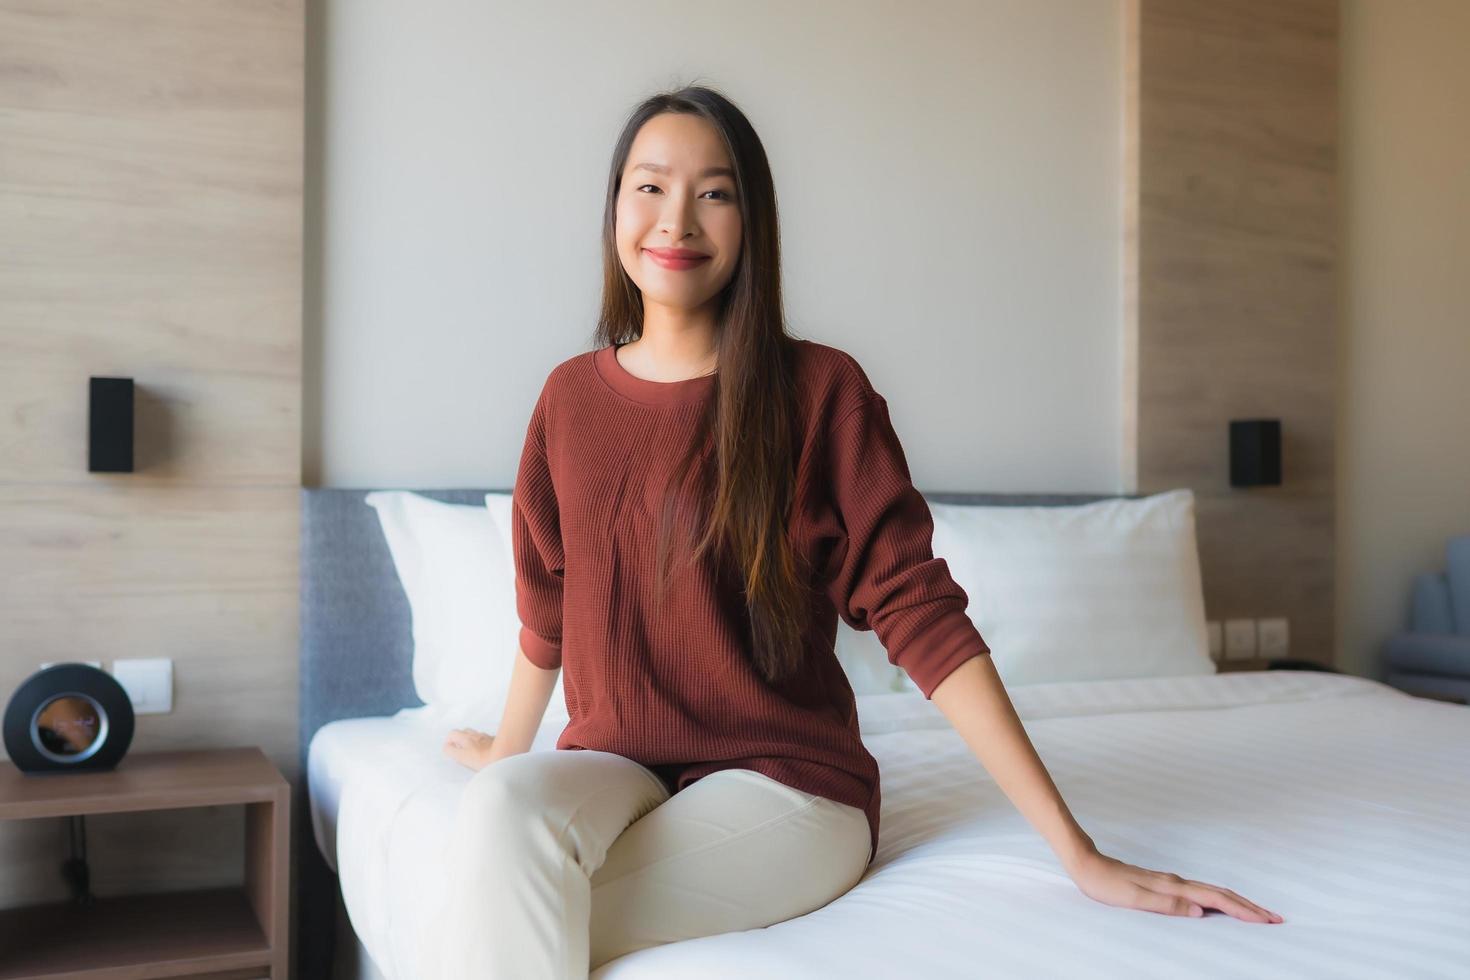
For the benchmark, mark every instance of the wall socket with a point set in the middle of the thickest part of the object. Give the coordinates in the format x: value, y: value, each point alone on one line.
x: 1240, y: 639
x: 1273, y: 637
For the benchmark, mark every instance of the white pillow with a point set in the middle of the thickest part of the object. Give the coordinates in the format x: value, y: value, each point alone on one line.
x: 865, y: 662
x: 1080, y: 592
x: 456, y: 569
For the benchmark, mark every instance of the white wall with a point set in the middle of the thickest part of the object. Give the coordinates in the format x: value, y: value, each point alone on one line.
x: 1403, y: 448
x: 948, y: 177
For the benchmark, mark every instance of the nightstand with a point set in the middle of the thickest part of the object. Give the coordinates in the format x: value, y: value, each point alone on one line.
x: 238, y: 933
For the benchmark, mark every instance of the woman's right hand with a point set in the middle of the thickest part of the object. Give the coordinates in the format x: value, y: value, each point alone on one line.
x: 470, y: 748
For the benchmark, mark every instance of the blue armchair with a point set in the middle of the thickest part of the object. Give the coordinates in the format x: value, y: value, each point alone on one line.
x: 1433, y: 656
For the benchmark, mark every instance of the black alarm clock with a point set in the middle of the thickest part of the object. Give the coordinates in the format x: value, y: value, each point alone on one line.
x: 68, y: 717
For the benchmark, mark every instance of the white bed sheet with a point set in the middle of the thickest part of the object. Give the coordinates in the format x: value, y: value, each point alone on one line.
x: 1337, y: 801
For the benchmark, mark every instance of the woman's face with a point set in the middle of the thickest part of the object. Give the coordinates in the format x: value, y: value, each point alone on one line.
x: 677, y: 192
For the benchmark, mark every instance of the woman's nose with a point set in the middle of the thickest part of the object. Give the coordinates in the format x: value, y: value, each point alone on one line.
x: 676, y: 218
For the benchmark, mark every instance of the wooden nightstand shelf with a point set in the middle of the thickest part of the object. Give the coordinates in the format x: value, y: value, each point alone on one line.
x: 221, y: 933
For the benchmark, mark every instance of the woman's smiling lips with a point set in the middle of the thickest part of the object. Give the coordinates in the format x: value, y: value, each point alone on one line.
x: 676, y: 258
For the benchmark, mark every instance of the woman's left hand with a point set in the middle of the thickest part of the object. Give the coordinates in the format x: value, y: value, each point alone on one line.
x: 1112, y: 882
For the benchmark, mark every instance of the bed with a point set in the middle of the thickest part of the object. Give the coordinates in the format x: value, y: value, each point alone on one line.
x: 1338, y: 801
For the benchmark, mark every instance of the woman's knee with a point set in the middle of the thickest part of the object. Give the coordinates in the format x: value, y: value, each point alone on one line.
x: 504, y: 791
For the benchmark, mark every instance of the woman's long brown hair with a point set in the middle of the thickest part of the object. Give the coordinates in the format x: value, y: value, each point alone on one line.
x: 747, y: 433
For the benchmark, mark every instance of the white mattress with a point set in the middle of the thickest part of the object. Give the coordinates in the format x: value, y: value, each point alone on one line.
x: 1337, y: 801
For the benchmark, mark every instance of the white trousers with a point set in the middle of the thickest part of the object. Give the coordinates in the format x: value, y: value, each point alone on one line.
x: 562, y: 860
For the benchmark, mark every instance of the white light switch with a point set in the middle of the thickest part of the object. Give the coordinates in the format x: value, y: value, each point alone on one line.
x: 1240, y: 639
x: 149, y: 683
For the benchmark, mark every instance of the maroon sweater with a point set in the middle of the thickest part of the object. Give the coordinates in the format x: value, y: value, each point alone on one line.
x: 674, y: 689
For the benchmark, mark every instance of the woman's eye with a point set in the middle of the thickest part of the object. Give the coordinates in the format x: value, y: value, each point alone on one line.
x: 722, y: 194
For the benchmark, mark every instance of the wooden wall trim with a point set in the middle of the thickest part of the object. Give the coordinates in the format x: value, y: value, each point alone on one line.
x: 1234, y: 187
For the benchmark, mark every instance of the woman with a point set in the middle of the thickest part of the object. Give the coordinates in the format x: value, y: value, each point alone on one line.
x: 699, y: 498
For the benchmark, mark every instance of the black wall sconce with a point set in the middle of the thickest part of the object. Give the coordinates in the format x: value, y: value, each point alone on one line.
x: 110, y: 426
x: 1255, y: 452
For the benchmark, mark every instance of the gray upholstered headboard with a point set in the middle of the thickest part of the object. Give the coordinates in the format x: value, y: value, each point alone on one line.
x: 356, y: 643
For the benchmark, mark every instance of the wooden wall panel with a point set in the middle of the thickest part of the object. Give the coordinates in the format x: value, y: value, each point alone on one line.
x: 151, y: 171
x: 1233, y: 214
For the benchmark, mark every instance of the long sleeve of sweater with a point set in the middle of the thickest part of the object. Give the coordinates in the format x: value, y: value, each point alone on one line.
x: 887, y: 578
x: 537, y: 546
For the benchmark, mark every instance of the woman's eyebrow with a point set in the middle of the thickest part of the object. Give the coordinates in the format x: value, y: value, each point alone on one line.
x: 659, y: 168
